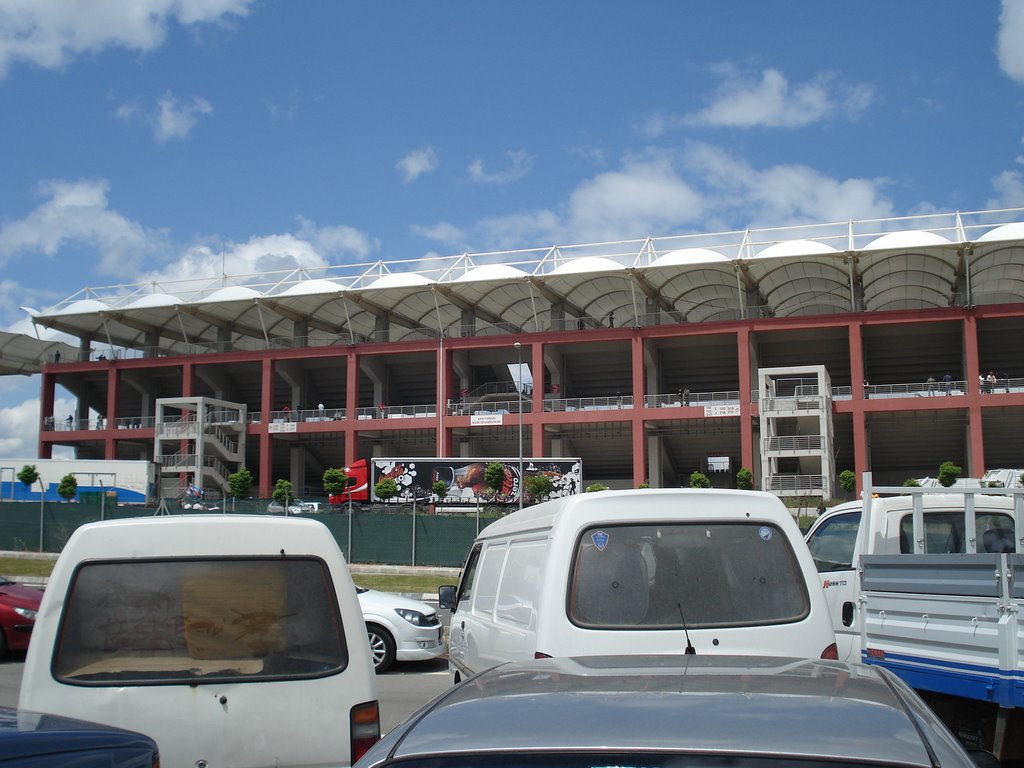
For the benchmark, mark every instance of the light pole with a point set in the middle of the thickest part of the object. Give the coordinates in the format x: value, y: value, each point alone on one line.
x: 519, y: 387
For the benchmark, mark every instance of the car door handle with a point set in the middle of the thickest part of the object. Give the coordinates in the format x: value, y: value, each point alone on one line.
x: 847, y: 613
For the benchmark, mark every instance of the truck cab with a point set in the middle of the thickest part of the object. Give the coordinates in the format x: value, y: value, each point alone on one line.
x: 842, y: 534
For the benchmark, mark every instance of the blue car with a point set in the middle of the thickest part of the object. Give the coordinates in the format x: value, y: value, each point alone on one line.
x: 37, y: 740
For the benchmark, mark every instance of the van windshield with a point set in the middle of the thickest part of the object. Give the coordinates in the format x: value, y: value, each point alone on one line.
x: 701, y: 575
x: 193, y: 620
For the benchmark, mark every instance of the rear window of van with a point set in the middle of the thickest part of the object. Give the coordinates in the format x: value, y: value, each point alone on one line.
x: 693, y: 575
x: 191, y: 620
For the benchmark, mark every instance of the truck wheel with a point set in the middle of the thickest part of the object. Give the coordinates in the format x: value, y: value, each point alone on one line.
x: 382, y: 647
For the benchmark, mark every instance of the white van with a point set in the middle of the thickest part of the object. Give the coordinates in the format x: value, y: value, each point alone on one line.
x: 640, y: 571
x: 230, y: 640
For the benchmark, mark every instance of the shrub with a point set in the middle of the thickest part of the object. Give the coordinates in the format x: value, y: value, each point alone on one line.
x: 68, y: 487
x: 240, y: 483
x: 539, y: 487
x: 911, y: 483
x: 948, y: 473
x: 283, y: 492
x: 744, y: 479
x: 699, y: 480
x: 334, y: 481
x: 848, y: 480
x: 439, y: 488
x: 494, y: 476
x: 386, y: 488
x: 28, y: 474
x: 596, y: 487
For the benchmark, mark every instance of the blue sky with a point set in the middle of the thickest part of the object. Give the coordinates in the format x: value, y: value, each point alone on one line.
x: 179, y: 134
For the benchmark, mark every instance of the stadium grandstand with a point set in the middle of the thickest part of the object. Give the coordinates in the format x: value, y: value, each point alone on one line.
x: 889, y: 345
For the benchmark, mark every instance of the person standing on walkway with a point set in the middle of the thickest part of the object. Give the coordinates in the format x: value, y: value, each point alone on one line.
x: 947, y: 382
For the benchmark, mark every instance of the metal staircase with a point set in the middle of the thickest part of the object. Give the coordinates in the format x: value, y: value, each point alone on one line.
x: 199, y: 440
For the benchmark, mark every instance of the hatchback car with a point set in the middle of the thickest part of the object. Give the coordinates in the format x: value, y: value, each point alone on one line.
x: 35, y: 740
x: 702, y: 710
x: 18, y: 607
x: 400, y: 628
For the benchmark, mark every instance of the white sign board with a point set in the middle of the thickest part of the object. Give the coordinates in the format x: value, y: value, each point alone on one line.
x: 712, y: 411
x: 486, y: 419
x: 282, y: 426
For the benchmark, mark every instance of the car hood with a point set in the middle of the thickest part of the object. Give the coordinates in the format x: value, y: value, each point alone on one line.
x: 21, y: 596
x: 372, y: 601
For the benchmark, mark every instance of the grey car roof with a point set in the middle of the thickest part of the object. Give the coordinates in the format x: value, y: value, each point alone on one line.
x: 703, y: 704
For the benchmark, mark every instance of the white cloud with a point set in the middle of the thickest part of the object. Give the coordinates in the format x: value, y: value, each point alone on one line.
x: 768, y: 99
x: 1010, y: 40
x: 19, y: 424
x: 52, y: 33
x: 520, y: 164
x: 443, y: 232
x: 1009, y: 186
x: 77, y: 212
x: 175, y: 119
x: 703, y: 189
x: 782, y: 194
x: 416, y: 163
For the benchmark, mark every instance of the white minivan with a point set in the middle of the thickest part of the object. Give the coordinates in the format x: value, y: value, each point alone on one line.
x: 229, y: 640
x: 638, y: 572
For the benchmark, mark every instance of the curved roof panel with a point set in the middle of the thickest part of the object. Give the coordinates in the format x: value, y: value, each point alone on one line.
x: 82, y: 307
x: 154, y: 300
x: 586, y: 264
x: 685, y: 257
x: 399, y: 280
x: 914, y: 238
x: 790, y: 248
x: 231, y: 293
x: 491, y: 272
x: 307, y: 287
x: 1014, y: 231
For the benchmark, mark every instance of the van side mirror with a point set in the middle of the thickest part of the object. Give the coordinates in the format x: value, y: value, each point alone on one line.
x: 446, y: 597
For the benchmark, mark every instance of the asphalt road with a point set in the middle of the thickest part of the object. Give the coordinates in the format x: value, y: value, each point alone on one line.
x: 401, y: 691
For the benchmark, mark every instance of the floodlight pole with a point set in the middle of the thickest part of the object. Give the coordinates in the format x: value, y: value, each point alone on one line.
x: 519, y: 387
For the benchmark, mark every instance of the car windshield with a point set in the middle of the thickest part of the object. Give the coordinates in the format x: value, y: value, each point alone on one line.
x: 697, y: 575
x: 187, y: 620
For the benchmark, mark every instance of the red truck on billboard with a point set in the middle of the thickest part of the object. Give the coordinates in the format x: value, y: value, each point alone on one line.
x: 463, y: 477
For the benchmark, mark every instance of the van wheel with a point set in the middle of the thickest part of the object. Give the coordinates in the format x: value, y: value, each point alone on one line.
x: 382, y: 647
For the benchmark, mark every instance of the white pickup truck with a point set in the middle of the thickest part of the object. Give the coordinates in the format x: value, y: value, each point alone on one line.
x: 927, y: 584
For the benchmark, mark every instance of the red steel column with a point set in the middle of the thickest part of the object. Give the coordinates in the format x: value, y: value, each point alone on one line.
x: 351, y: 407
x: 637, y: 421
x: 746, y: 421
x: 46, y: 395
x: 110, y: 414
x: 976, y: 436
x: 536, y: 414
x: 266, y: 448
x: 861, y: 460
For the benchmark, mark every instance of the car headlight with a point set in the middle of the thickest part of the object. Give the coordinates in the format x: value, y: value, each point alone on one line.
x: 413, y: 617
x: 27, y: 613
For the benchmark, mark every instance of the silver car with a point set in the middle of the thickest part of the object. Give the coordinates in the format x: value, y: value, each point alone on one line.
x: 673, y: 710
x: 400, y: 628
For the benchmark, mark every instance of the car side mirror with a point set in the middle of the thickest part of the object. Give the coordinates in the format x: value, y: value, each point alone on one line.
x: 446, y: 597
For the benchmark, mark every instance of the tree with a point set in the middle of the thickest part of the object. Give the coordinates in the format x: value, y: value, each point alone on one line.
x: 494, y: 477
x: 335, y: 481
x: 596, y: 487
x: 744, y: 479
x: 911, y: 483
x: 386, y: 488
x: 439, y: 488
x: 240, y: 482
x: 699, y: 480
x: 68, y: 487
x: 848, y: 480
x: 539, y: 486
x: 283, y: 492
x: 644, y: 485
x: 948, y: 473
x: 28, y: 474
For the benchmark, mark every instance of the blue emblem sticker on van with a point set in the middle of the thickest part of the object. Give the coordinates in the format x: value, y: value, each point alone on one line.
x: 765, y: 533
x: 600, y: 539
